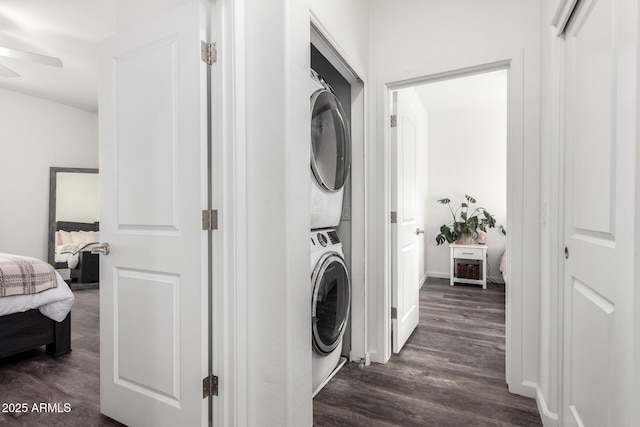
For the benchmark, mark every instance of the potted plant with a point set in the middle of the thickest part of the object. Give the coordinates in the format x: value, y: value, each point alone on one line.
x: 464, y: 226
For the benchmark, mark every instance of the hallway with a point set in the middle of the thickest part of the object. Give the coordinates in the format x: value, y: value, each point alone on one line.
x: 450, y: 372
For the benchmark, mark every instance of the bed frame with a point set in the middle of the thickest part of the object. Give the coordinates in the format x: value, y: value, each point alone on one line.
x: 25, y: 331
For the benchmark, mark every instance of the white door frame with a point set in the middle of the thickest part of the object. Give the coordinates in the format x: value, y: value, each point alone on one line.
x: 229, y: 322
x: 380, y: 318
x: 561, y: 18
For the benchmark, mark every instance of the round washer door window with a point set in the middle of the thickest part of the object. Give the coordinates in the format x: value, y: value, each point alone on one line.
x: 330, y: 141
x: 330, y: 303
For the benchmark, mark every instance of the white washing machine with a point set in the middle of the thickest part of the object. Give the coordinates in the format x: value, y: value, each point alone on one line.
x: 330, y: 303
x: 330, y: 154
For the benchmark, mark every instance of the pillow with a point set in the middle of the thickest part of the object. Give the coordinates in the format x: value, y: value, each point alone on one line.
x: 63, y: 237
x: 92, y: 236
x: 84, y: 237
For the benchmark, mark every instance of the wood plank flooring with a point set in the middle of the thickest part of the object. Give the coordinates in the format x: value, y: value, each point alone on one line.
x: 450, y: 372
x: 33, y: 377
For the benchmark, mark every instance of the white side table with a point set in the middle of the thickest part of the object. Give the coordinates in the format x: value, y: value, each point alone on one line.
x: 458, y: 254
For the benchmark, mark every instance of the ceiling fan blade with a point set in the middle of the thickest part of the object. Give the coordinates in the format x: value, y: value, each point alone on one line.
x: 28, y: 56
x: 7, y: 72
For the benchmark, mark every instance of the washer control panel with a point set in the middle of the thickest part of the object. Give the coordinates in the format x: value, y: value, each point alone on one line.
x: 323, y: 238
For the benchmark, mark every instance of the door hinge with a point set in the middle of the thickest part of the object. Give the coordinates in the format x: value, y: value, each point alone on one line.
x: 209, y: 219
x: 394, y: 120
x: 394, y: 313
x: 394, y: 217
x: 208, y: 52
x: 209, y: 386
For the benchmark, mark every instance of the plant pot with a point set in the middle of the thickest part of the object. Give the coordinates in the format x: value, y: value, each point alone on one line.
x: 465, y: 239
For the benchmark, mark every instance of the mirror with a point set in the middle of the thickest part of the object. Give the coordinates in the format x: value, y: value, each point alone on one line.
x: 73, y: 203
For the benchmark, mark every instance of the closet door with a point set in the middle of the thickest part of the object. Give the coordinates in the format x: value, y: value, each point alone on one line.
x: 154, y: 301
x: 600, y: 142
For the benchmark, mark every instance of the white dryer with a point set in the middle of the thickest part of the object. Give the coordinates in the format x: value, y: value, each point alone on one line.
x: 330, y: 303
x: 330, y: 154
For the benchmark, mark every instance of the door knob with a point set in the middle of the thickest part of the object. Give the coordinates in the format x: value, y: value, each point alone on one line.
x: 566, y: 252
x: 418, y: 231
x: 102, y: 248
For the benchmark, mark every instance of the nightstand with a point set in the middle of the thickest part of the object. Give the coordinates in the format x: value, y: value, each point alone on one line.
x: 468, y: 264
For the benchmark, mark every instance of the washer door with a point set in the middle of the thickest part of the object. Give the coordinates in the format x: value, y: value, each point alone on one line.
x: 330, y: 302
x: 330, y: 141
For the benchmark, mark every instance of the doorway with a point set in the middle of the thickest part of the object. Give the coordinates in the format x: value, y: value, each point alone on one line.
x: 466, y: 141
x: 450, y: 143
x: 513, y: 66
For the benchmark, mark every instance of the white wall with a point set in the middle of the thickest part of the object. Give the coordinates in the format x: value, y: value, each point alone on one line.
x: 348, y: 24
x: 129, y: 13
x: 36, y: 134
x: 467, y: 155
x: 411, y: 35
x: 277, y: 218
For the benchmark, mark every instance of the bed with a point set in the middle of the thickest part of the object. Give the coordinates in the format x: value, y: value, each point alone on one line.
x: 73, y: 244
x: 35, y: 317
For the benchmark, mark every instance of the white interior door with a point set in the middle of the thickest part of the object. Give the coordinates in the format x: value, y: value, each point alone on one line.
x: 600, y: 108
x: 154, y: 303
x: 405, y: 289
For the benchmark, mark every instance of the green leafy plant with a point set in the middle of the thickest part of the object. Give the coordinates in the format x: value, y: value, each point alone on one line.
x: 465, y: 223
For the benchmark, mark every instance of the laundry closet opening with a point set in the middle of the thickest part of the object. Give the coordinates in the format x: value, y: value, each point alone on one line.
x: 330, y: 219
x: 337, y: 210
x: 448, y: 140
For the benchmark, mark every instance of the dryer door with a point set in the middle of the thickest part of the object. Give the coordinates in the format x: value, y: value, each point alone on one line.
x: 330, y: 141
x: 330, y: 303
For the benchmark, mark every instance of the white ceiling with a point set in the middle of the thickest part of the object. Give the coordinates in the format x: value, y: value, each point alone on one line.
x: 67, y: 29
x: 476, y: 91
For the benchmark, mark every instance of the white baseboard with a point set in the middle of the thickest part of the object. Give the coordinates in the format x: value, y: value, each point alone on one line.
x: 549, y: 419
x: 423, y: 279
x: 437, y: 275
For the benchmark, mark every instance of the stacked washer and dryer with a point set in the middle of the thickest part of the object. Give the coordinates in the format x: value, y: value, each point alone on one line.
x: 330, y: 284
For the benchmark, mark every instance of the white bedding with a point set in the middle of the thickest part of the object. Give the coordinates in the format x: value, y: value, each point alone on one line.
x: 54, y: 303
x: 72, y: 258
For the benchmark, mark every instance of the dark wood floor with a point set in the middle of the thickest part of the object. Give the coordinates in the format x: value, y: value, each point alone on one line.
x: 451, y: 371
x: 34, y: 377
